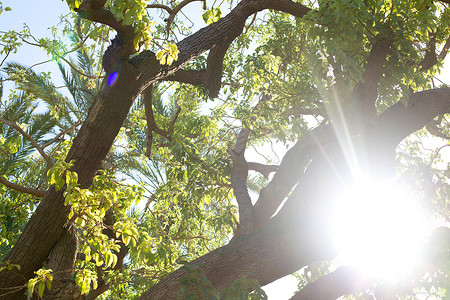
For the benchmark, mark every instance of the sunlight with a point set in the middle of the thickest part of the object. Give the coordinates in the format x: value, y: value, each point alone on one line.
x: 379, y: 230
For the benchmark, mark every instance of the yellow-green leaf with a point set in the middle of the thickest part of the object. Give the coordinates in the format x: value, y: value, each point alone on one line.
x: 41, y: 289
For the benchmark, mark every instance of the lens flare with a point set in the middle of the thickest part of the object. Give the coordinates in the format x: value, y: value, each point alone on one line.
x: 112, y: 78
x: 379, y: 230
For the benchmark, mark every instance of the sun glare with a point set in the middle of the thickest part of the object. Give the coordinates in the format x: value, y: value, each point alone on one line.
x: 379, y: 230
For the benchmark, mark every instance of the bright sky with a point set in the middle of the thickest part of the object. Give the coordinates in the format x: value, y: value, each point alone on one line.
x: 40, y: 15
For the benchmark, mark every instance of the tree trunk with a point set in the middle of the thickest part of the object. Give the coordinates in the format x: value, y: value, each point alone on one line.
x: 89, y: 148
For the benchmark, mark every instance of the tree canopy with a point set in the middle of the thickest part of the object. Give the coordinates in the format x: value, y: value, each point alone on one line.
x: 203, y: 157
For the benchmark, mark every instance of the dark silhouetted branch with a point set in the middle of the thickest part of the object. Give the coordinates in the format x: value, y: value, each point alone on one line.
x: 422, y: 108
x: 444, y: 50
x: 343, y: 281
x: 290, y: 171
x: 265, y: 170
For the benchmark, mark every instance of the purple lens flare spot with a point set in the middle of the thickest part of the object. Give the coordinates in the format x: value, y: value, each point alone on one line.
x: 112, y: 78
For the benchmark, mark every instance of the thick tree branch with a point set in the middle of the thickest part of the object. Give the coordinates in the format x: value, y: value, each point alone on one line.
x: 290, y: 171
x: 239, y: 174
x: 215, y: 67
x: 61, y: 261
x: 422, y: 108
x: 22, y: 189
x: 28, y: 137
x: 365, y: 93
x: 98, y: 13
x: 430, y: 58
x: 193, y: 77
x: 444, y: 50
x: 214, y: 34
x: 265, y: 170
x: 343, y: 281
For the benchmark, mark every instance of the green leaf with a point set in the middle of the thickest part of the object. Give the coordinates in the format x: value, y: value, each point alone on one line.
x: 31, y: 284
x: 41, y: 289
x: 160, y: 54
x: 126, y: 239
x: 49, y: 284
x: 59, y: 183
x: 128, y: 20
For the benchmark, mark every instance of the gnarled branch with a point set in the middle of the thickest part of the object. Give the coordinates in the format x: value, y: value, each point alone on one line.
x: 151, y: 124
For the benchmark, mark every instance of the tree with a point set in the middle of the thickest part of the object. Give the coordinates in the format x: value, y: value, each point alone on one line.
x: 361, y: 68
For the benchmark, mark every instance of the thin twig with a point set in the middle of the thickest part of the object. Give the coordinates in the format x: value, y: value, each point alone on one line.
x: 61, y: 134
x: 176, y: 10
x: 28, y: 137
x: 22, y: 189
x: 250, y: 25
x: 174, y: 119
x: 87, y: 242
x: 168, y: 9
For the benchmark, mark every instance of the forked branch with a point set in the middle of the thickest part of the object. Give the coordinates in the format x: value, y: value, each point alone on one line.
x: 151, y: 124
x: 94, y: 10
x: 290, y: 171
x: 172, y: 11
